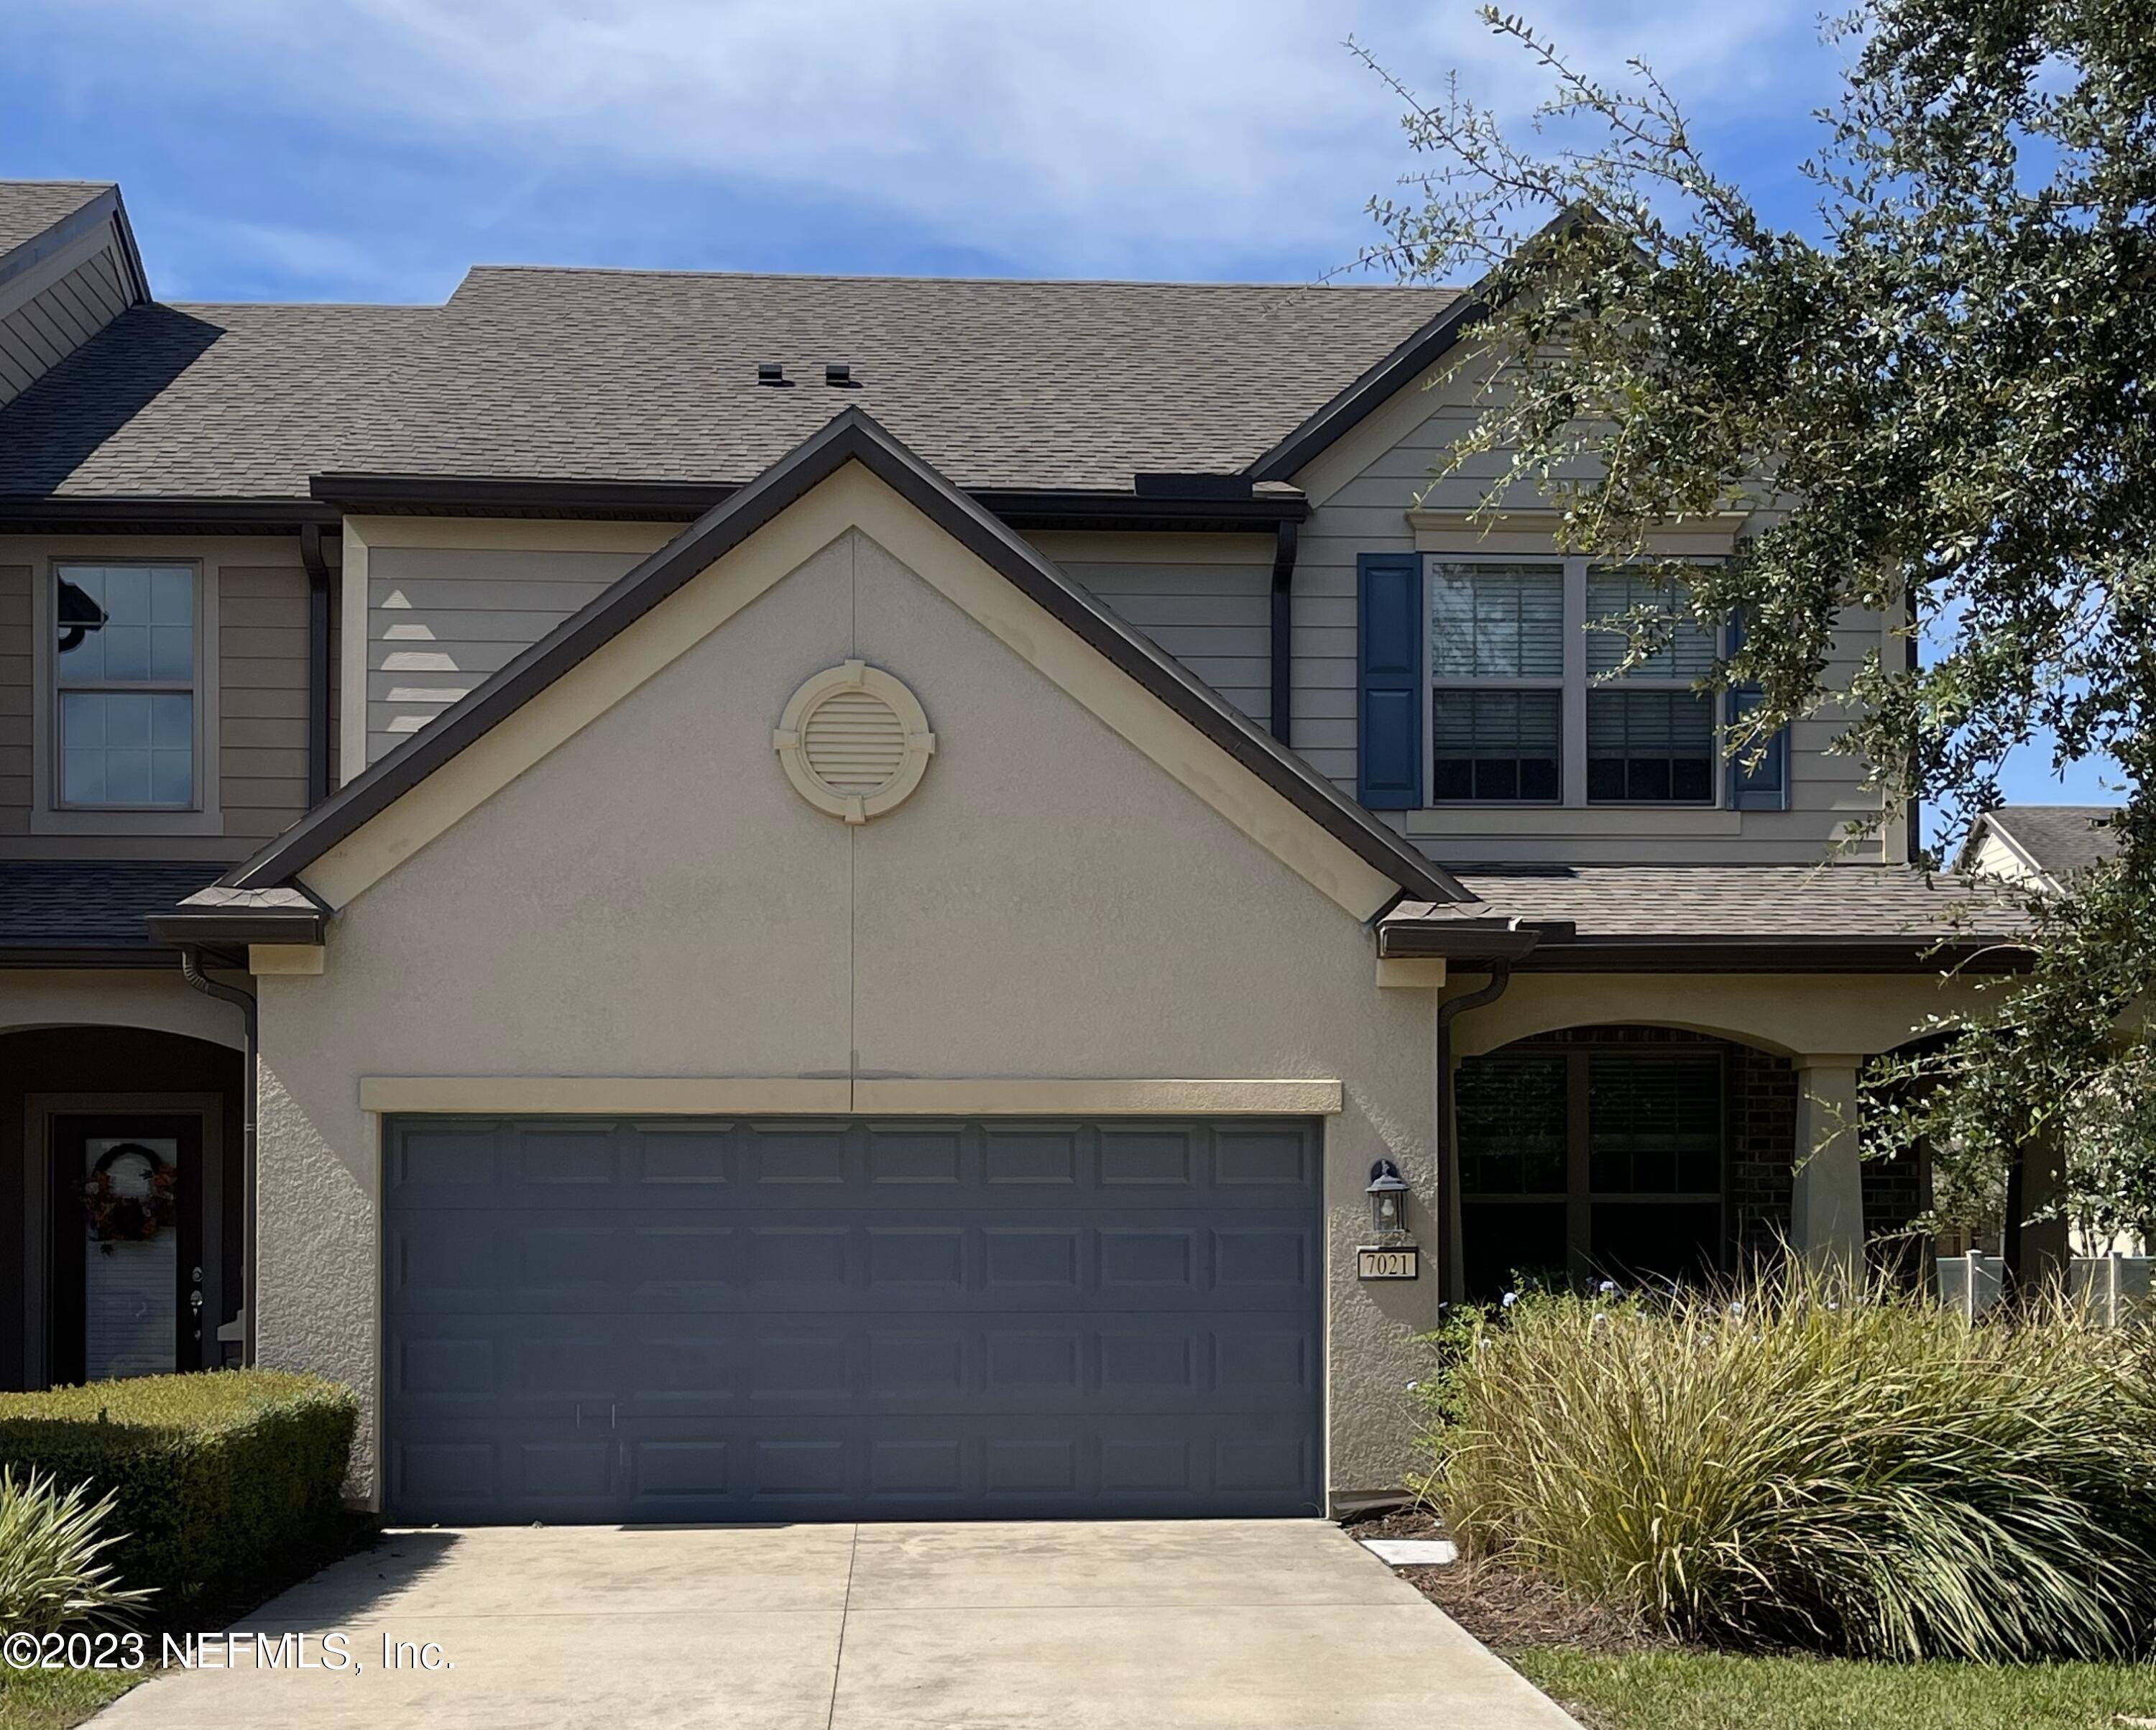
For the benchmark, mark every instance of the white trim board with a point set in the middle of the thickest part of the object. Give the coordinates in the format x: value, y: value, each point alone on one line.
x: 999, y: 1096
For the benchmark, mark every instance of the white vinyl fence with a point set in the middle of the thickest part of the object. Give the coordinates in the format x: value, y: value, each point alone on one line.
x: 2115, y: 1290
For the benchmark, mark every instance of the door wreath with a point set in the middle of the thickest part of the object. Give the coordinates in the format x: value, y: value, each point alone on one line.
x: 117, y: 1219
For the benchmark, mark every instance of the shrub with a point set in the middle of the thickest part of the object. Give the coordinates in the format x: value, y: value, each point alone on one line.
x: 50, y: 1541
x: 209, y: 1476
x: 1773, y: 1465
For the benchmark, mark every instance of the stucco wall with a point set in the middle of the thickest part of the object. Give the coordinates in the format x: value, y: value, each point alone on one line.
x: 653, y: 899
x: 158, y: 999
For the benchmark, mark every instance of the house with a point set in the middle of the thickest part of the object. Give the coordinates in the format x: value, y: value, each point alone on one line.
x: 779, y: 896
x: 2041, y: 846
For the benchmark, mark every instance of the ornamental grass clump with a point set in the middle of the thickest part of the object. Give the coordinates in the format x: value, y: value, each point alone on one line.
x: 51, y: 1574
x: 1786, y: 1465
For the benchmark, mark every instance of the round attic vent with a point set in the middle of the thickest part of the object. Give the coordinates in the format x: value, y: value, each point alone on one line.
x: 853, y: 741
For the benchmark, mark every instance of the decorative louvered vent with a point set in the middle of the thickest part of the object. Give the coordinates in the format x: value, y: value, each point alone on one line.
x: 853, y: 741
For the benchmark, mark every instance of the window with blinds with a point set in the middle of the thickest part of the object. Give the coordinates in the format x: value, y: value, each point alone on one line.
x: 1649, y: 748
x: 1497, y: 621
x: 1651, y: 737
x: 1498, y: 661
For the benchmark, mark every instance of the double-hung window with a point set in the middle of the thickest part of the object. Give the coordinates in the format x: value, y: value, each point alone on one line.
x: 1532, y: 702
x: 1497, y: 661
x: 1650, y: 736
x: 127, y: 673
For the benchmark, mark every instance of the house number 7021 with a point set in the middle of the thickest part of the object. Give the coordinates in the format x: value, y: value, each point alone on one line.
x: 1388, y: 1264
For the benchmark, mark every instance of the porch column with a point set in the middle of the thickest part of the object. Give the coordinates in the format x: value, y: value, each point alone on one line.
x: 1827, y: 1207
x: 2039, y: 1253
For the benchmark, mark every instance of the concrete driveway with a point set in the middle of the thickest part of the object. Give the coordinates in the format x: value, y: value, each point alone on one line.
x: 1152, y: 1625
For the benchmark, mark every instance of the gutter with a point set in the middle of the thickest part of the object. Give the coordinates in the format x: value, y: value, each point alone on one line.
x: 1500, y: 976
x: 191, y: 968
x: 318, y: 663
x: 139, y: 956
x: 1282, y: 639
x: 1472, y: 941
x: 236, y: 927
x: 154, y: 515
x: 1199, y: 510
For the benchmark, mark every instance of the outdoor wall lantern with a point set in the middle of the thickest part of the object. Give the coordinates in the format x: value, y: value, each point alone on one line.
x: 1388, y: 1197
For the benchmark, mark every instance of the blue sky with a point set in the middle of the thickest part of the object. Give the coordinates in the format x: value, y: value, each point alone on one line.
x: 373, y: 150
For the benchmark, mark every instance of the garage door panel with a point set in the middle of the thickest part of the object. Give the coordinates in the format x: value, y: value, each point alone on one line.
x: 938, y: 1319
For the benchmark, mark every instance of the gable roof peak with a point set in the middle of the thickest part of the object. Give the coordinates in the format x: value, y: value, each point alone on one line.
x: 853, y: 435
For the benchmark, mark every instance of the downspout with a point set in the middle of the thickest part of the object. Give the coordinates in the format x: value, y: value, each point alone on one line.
x: 190, y: 969
x: 318, y: 663
x: 1500, y: 976
x: 1282, y: 643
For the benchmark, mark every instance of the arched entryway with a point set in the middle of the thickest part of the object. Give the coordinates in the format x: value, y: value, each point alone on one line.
x: 1634, y: 1153
x: 120, y: 1169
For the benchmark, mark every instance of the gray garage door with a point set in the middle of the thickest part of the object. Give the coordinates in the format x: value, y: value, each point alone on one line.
x: 687, y: 1319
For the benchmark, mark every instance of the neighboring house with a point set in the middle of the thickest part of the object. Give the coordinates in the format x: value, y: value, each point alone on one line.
x: 2043, y: 848
x: 773, y: 896
x: 2040, y: 845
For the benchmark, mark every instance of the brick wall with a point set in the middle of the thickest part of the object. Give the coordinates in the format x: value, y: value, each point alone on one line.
x: 1762, y: 1142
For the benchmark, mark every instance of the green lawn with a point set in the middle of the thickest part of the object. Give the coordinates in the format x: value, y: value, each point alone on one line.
x: 53, y: 1699
x: 1683, y: 1691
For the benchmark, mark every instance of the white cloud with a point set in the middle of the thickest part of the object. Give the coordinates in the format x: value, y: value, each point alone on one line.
x: 1148, y: 136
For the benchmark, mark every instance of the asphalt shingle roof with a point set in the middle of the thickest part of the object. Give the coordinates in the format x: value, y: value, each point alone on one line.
x: 211, y: 402
x: 93, y: 904
x: 2062, y: 839
x: 28, y: 208
x: 652, y: 376
x: 1737, y: 904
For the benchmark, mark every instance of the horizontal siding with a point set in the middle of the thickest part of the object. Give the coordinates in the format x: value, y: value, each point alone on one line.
x: 262, y: 698
x: 440, y: 620
x: 15, y: 688
x: 1204, y: 599
x: 36, y: 336
x: 1363, y: 510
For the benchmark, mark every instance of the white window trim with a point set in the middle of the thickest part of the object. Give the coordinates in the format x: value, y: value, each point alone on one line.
x: 1576, y: 682
x: 48, y: 816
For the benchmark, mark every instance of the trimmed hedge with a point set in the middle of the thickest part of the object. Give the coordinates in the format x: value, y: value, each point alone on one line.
x: 213, y: 1476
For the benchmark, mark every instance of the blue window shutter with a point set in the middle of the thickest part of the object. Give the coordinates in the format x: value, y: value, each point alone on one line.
x: 1389, y: 686
x: 1767, y: 786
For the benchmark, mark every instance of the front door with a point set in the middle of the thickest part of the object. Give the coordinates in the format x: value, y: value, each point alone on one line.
x: 127, y: 1249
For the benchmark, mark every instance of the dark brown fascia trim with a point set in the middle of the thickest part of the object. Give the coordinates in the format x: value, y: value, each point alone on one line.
x: 408, y: 495
x: 1555, y: 946
x: 1047, y: 509
x: 162, y: 516
x: 218, y: 926
x: 1390, y: 376
x: 1398, y: 369
x: 1474, y: 940
x: 1795, y: 955
x: 145, y: 956
x: 105, y: 207
x: 851, y: 436
x: 683, y: 501
x: 131, y: 254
